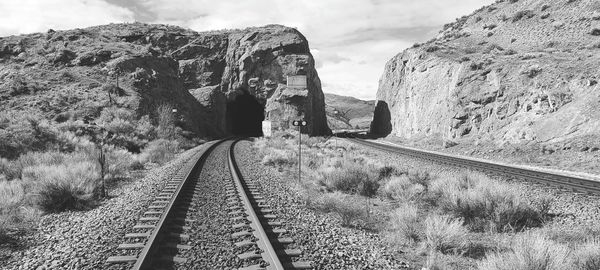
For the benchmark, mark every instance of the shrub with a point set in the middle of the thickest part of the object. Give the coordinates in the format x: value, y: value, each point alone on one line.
x: 445, y: 234
x: 587, y: 257
x: 348, y: 178
x: 280, y: 158
x: 348, y: 213
x: 422, y: 178
x: 339, y: 203
x: 160, y: 151
x: 136, y: 165
x: 484, y: 203
x: 119, y: 161
x: 432, y: 48
x: 64, y: 187
x: 544, y: 7
x: 595, y: 32
x: 401, y: 188
x: 12, y: 194
x: 523, y: 13
x: 406, y: 223
x: 10, y: 169
x: 529, y: 251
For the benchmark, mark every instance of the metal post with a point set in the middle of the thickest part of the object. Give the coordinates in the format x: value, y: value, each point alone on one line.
x: 299, y: 154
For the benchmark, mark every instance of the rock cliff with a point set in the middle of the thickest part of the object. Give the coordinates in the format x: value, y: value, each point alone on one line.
x: 513, y: 72
x: 140, y: 66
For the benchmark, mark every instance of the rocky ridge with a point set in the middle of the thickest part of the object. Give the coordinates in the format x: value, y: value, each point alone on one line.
x: 140, y: 66
x: 514, y: 72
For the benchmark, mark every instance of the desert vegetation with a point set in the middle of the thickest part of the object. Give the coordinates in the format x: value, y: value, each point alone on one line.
x: 66, y: 164
x: 450, y: 220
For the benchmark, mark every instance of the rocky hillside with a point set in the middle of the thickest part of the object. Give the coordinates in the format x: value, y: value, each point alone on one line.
x: 72, y: 75
x: 517, y: 71
x: 351, y: 112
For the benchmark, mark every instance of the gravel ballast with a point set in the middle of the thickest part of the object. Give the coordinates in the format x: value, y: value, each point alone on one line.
x: 320, y: 236
x: 85, y: 239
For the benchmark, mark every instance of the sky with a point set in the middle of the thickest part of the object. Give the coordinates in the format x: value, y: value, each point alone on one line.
x: 351, y: 40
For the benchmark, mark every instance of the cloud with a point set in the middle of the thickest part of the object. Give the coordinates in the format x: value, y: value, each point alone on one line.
x: 27, y: 16
x: 350, y: 39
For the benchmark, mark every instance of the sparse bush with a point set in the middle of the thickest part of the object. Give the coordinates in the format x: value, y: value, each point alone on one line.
x: 280, y: 158
x: 388, y: 171
x: 10, y: 169
x: 445, y: 234
x: 348, y: 178
x: 544, y: 7
x: 12, y: 194
x: 432, y: 48
x: 587, y: 257
x: 405, y: 222
x: 420, y: 177
x: 136, y: 165
x: 339, y: 203
x: 510, y: 52
x: 64, y: 187
x: 529, y: 251
x: 349, y: 213
x: 484, y: 203
x: 401, y: 188
x: 523, y: 13
x: 464, y: 59
x: 595, y: 32
x: 160, y: 151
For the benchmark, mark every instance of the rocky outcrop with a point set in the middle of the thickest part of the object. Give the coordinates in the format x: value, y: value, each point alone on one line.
x: 499, y: 75
x: 198, y: 74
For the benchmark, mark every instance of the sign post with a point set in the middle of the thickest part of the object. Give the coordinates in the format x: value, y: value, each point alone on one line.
x: 299, y: 124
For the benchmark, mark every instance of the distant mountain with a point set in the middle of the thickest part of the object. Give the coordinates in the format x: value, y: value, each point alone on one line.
x: 352, y: 112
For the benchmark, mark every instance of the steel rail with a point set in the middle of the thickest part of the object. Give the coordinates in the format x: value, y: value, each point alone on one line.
x: 269, y: 253
x: 575, y: 183
x: 145, y: 257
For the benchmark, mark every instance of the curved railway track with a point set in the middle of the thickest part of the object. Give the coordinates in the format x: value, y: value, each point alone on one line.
x: 571, y: 182
x: 260, y: 240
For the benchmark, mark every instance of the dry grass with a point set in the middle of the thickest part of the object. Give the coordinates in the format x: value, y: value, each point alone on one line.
x: 445, y: 234
x: 530, y: 251
x: 406, y: 224
x: 402, y: 189
x: 72, y: 186
x: 587, y: 256
x: 160, y: 151
x: 484, y: 204
x: 280, y: 158
x: 338, y: 203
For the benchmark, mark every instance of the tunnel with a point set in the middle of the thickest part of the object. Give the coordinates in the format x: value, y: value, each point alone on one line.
x: 245, y: 115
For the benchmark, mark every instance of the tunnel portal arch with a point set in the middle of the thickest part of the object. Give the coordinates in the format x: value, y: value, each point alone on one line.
x: 245, y: 115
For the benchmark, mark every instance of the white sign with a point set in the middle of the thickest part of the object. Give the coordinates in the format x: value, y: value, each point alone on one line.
x: 266, y: 128
x: 296, y: 81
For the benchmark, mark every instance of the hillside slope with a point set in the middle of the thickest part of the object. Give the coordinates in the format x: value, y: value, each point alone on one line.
x: 514, y: 72
x: 351, y: 112
x: 73, y: 75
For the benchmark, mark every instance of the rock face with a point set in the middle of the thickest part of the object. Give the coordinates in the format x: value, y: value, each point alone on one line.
x: 199, y: 74
x: 512, y: 72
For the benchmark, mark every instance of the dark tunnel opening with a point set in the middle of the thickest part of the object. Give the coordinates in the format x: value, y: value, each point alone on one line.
x: 245, y: 115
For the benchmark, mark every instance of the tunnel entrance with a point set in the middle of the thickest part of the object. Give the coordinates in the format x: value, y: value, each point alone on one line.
x: 245, y: 115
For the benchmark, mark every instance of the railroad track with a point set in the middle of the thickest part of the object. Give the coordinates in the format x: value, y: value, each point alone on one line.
x: 161, y: 232
x: 575, y: 183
